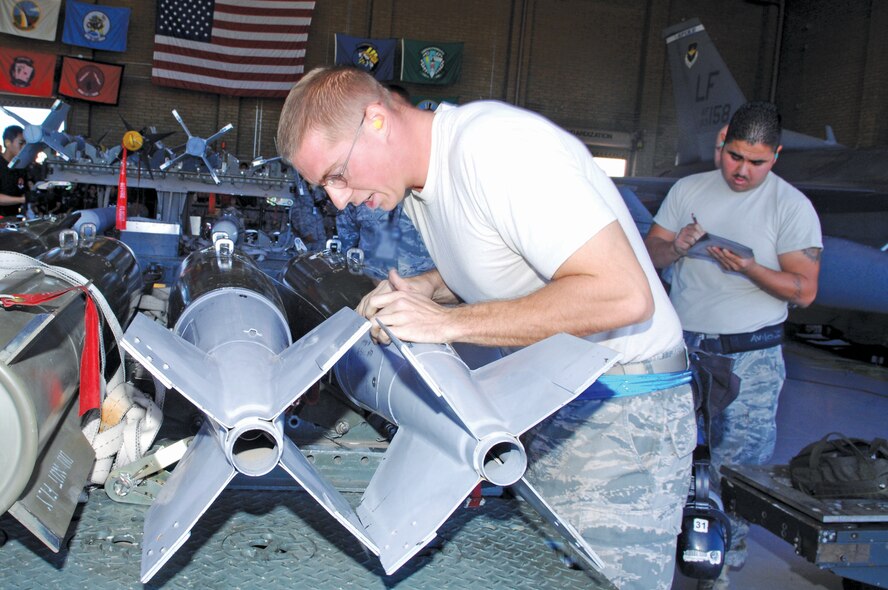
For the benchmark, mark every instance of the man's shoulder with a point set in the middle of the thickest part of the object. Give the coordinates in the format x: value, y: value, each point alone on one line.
x: 483, y: 116
x: 692, y: 183
x: 785, y: 188
x: 699, y: 178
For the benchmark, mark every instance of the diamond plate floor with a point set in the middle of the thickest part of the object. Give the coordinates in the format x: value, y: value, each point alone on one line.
x: 282, y: 539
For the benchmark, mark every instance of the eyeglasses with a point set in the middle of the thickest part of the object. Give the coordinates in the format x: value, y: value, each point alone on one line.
x: 338, y: 180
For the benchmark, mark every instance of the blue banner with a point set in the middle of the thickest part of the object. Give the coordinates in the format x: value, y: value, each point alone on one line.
x: 375, y: 56
x: 97, y: 27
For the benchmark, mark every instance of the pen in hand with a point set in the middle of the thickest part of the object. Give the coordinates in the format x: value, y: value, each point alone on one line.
x: 694, y: 218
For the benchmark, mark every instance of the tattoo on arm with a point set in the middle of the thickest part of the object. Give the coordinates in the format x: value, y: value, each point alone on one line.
x: 813, y: 253
x: 797, y: 280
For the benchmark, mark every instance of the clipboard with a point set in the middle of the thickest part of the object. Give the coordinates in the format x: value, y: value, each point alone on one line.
x: 698, y: 250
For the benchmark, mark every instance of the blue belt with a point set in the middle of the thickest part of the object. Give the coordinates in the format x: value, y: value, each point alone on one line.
x: 610, y: 386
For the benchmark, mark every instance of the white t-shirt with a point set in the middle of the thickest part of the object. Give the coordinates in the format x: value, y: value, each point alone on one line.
x: 508, y: 199
x: 772, y: 219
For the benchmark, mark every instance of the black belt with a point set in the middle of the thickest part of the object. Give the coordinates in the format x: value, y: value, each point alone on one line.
x: 729, y: 343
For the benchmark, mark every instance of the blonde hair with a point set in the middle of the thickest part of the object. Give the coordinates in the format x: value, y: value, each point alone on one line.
x: 330, y: 100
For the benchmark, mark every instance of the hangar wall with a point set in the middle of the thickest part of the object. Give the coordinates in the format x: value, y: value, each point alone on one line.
x: 596, y: 67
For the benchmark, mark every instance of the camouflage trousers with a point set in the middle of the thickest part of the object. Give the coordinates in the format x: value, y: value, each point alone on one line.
x: 618, y: 470
x: 746, y: 432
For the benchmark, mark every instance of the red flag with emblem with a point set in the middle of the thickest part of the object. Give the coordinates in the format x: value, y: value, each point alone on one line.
x: 94, y: 81
x: 26, y: 72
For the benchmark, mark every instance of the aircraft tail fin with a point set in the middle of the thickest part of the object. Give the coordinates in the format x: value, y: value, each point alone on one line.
x: 706, y: 94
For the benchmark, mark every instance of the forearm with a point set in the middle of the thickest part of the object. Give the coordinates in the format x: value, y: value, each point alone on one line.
x: 787, y: 286
x: 577, y: 305
x: 663, y: 252
x: 10, y: 200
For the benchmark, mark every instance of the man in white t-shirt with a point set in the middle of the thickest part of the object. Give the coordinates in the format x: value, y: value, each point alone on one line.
x: 735, y: 305
x: 514, y: 267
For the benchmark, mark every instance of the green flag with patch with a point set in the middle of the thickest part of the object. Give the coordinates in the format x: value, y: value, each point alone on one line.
x: 428, y: 62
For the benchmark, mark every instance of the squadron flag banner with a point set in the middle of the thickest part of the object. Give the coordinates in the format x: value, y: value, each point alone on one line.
x: 26, y: 72
x: 36, y: 19
x: 94, y: 81
x: 375, y: 56
x: 427, y: 62
x: 232, y: 47
x: 96, y: 27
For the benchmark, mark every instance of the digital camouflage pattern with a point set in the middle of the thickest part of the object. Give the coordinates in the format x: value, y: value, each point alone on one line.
x: 746, y: 432
x: 619, y: 471
x: 307, y: 220
x: 388, y: 239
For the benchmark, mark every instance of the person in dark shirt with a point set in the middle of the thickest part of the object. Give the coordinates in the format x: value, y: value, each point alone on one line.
x: 13, y: 181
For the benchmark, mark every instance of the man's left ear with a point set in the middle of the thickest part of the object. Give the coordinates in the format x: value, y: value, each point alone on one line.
x: 777, y: 152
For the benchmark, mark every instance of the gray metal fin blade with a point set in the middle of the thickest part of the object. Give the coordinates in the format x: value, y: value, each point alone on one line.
x: 307, y: 360
x: 26, y: 156
x: 220, y: 133
x: 323, y: 491
x: 210, y: 170
x: 61, y: 149
x: 523, y: 488
x: 55, y: 119
x: 15, y: 116
x: 174, y: 362
x: 413, y: 492
x: 194, y: 485
x: 527, y: 386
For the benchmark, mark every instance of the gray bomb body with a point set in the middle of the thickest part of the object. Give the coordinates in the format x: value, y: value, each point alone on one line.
x: 380, y: 380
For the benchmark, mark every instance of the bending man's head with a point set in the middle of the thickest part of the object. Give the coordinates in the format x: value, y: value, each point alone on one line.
x: 328, y: 100
x: 337, y: 129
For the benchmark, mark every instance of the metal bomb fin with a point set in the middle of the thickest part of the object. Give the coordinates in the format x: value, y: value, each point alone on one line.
x: 522, y: 388
x: 308, y: 359
x: 223, y: 447
x: 413, y: 492
x: 196, y: 482
x: 531, y: 384
x: 173, y: 361
x: 311, y: 480
x: 524, y: 489
x: 433, y: 464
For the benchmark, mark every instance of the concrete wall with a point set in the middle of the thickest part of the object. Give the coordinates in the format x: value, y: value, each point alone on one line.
x: 595, y: 66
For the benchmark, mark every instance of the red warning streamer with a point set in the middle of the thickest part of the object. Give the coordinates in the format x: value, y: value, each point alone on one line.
x: 90, y: 393
x: 120, y: 223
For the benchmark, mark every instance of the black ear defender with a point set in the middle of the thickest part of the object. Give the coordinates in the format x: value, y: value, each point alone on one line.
x: 705, y: 529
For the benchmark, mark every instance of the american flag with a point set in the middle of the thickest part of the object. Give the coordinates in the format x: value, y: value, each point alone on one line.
x: 232, y: 47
